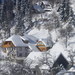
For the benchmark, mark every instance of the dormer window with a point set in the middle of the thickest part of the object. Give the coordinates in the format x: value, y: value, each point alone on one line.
x: 25, y: 41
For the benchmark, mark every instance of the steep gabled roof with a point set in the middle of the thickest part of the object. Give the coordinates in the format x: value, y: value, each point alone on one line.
x: 57, y: 49
x: 33, y: 47
x: 30, y: 38
x: 46, y: 42
x: 61, y: 60
x: 16, y: 40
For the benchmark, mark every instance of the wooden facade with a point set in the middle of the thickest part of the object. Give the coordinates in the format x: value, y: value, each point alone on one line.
x: 13, y: 51
x: 7, y: 44
x: 40, y: 45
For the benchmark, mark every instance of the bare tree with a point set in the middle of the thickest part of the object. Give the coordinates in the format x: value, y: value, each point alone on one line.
x: 65, y: 32
x: 46, y: 59
x: 53, y: 22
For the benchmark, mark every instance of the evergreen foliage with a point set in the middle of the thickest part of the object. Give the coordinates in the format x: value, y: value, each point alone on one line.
x: 65, y: 10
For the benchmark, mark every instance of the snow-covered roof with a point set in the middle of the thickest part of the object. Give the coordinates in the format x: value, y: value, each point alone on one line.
x: 47, y: 43
x: 58, y: 49
x: 44, y: 67
x: 33, y: 58
x: 34, y: 55
x: 16, y: 40
x: 38, y: 8
x: 40, y: 34
x: 30, y: 38
x: 24, y: 38
x: 33, y: 47
x: 62, y: 72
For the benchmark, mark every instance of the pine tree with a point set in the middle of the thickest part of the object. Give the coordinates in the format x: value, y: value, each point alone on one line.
x: 72, y: 21
x: 65, y: 10
x: 6, y: 16
x: 23, y: 16
x: 28, y: 14
x: 19, y: 29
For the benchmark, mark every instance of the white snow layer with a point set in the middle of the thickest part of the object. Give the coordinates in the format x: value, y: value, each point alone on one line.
x: 17, y: 41
x: 57, y: 49
x: 45, y: 67
x: 40, y: 34
x: 34, y: 55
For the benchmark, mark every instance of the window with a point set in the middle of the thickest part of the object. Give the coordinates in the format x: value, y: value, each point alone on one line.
x: 6, y: 43
x: 20, y: 55
x: 26, y: 54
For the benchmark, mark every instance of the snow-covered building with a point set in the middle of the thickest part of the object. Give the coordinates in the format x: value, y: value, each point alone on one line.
x: 31, y: 39
x: 44, y: 41
x: 14, y: 46
x: 37, y: 9
x: 61, y: 61
x: 42, y: 6
x: 44, y: 44
x: 33, y: 48
x: 58, y: 56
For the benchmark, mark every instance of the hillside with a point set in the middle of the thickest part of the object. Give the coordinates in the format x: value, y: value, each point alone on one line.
x: 50, y: 22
